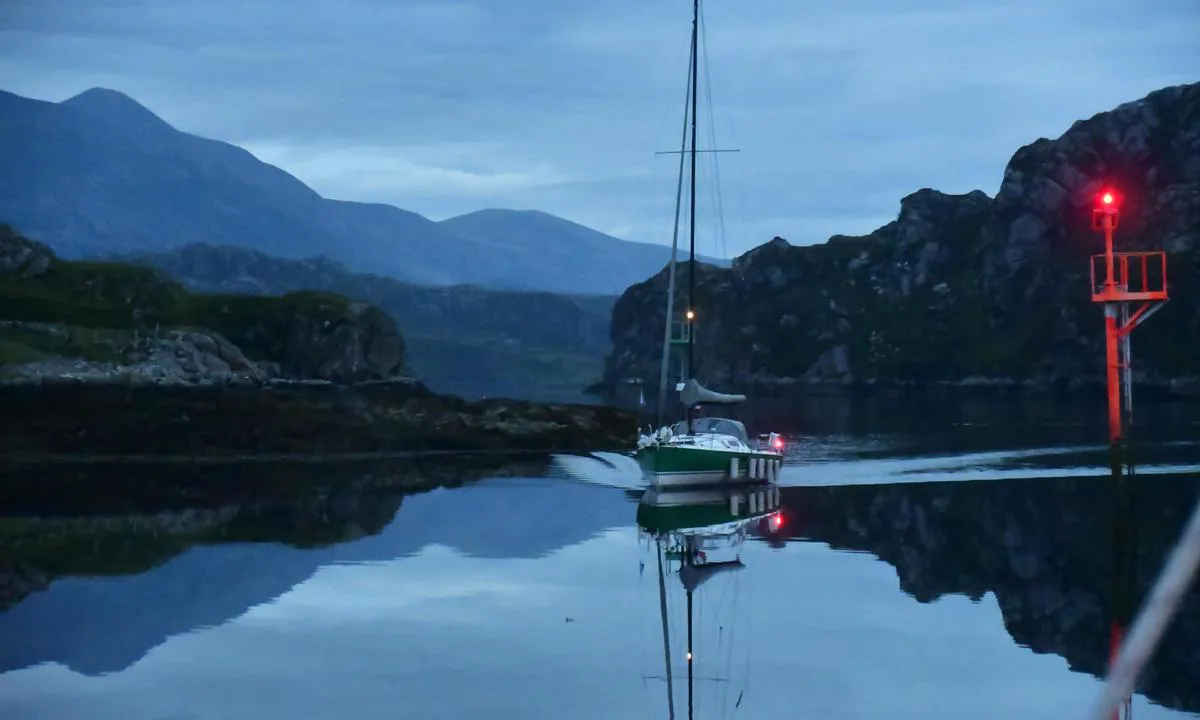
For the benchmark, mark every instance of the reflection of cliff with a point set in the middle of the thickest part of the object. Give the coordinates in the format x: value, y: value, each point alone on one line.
x: 101, y: 592
x: 1044, y: 547
x: 39, y: 551
x: 86, y: 489
x: 85, y: 519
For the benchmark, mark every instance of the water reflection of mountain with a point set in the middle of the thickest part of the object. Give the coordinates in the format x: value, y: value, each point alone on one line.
x: 119, y: 586
x: 122, y: 586
x: 1044, y: 547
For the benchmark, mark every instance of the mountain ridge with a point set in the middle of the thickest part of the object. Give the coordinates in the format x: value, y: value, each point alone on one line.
x: 546, y: 218
x: 100, y: 173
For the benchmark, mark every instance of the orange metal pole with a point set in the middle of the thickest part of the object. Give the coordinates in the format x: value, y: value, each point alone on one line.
x: 1108, y: 250
x: 1110, y: 341
x: 1113, y: 367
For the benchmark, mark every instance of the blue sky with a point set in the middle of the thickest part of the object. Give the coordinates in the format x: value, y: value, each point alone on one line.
x: 443, y: 107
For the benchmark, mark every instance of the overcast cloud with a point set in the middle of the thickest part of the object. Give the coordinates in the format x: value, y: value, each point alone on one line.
x: 443, y: 107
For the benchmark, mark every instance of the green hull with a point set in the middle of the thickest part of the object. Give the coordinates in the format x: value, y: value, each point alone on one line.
x: 675, y: 511
x: 681, y: 465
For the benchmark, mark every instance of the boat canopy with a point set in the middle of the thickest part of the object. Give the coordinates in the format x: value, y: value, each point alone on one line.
x: 694, y: 393
x: 715, y: 426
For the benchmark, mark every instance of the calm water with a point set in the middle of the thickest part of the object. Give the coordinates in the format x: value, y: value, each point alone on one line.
x: 957, y: 563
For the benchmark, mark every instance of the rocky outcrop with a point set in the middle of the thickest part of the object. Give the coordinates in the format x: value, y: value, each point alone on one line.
x: 21, y: 257
x: 323, y: 337
x: 961, y: 289
x: 172, y: 357
x: 105, y: 321
x: 71, y: 419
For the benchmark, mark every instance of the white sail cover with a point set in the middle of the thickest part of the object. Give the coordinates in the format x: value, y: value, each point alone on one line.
x: 694, y: 393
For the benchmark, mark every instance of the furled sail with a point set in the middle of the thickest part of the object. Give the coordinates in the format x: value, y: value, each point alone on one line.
x: 693, y: 575
x: 694, y: 393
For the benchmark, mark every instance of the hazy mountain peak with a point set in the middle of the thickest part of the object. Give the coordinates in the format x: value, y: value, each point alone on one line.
x: 510, y: 212
x: 554, y: 234
x: 115, y: 106
x: 100, y: 173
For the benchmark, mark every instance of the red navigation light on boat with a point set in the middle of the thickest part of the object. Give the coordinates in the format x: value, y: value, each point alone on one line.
x: 776, y: 521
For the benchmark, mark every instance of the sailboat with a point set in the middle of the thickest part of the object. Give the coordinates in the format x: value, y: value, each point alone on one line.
x: 688, y: 527
x: 708, y: 450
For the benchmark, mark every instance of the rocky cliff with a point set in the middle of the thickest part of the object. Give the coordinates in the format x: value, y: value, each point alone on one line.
x: 466, y: 340
x: 107, y: 320
x: 960, y: 289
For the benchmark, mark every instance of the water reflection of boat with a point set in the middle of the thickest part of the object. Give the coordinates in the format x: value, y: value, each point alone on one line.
x: 704, y: 510
x: 698, y: 535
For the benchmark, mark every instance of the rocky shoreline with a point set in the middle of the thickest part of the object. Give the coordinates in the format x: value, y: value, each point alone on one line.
x: 85, y: 416
x: 1186, y: 388
x: 104, y: 359
x: 1074, y: 390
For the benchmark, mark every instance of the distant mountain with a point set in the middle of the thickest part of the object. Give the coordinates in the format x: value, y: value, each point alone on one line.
x: 559, y: 244
x: 100, y: 173
x: 464, y: 340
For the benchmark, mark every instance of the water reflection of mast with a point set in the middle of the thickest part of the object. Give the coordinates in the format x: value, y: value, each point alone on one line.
x: 692, y: 574
x: 684, y: 520
x: 662, y: 601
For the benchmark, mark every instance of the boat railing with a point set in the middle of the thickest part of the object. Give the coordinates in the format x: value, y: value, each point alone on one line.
x: 770, y: 442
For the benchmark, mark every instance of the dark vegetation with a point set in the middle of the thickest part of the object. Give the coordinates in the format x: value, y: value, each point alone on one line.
x: 166, y: 421
x: 98, y: 305
x: 464, y: 340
